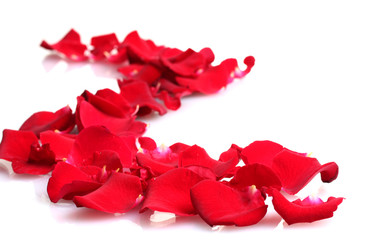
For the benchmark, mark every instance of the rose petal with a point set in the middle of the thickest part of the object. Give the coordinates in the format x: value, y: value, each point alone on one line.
x: 64, y: 174
x: 137, y: 93
x: 118, y: 195
x: 97, y: 139
x: 197, y: 156
x: 256, y: 174
x: 70, y: 45
x: 62, y: 120
x: 261, y: 152
x: 103, y: 45
x: 140, y: 50
x: 218, y: 204
x: 60, y: 144
x: 87, y: 115
x: 307, y: 210
x: 295, y: 170
x: 16, y: 145
x: 170, y: 192
x: 41, y: 160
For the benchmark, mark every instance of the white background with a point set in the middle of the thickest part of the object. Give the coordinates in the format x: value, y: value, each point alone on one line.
x: 317, y: 87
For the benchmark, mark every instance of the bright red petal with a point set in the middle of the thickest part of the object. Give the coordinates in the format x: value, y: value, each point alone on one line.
x: 98, y: 139
x: 307, y: 210
x: 65, y: 174
x: 103, y: 45
x: 60, y: 144
x: 197, y: 156
x: 296, y: 170
x: 118, y: 194
x: 137, y: 93
x: 16, y: 145
x: 170, y: 192
x: 255, y: 174
x: 219, y: 204
x: 62, y: 120
x: 87, y: 115
x: 261, y: 152
x: 70, y: 45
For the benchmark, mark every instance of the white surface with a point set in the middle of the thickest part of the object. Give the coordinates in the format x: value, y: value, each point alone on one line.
x: 317, y: 87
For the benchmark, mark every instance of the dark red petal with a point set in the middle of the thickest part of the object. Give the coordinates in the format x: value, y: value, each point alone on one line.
x: 70, y: 45
x: 109, y: 102
x: 107, y: 159
x: 137, y: 93
x: 307, y: 210
x: 23, y: 167
x: 261, y: 152
x: 186, y: 64
x: 296, y: 170
x: 138, y: 72
x: 61, y: 120
x: 255, y: 174
x: 140, y: 50
x: 97, y: 139
x: 119, y: 194
x: 87, y: 115
x: 170, y: 192
x: 61, y: 144
x: 62, y: 175
x: 219, y: 204
x: 16, y: 145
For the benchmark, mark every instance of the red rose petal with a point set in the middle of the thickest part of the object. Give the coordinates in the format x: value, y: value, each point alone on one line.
x: 97, y: 139
x: 60, y: 144
x: 261, y: 152
x: 197, y: 156
x: 296, y: 170
x: 118, y: 195
x: 186, y: 64
x: 70, y: 45
x: 137, y: 93
x: 140, y: 50
x: 307, y: 210
x: 256, y: 174
x: 41, y: 160
x: 147, y: 143
x: 62, y: 175
x: 109, y: 102
x: 103, y: 45
x: 87, y: 115
x: 218, y: 204
x: 16, y: 145
x: 170, y: 192
x: 61, y: 120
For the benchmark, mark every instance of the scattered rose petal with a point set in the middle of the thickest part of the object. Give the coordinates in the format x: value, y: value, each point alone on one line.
x: 170, y: 192
x: 307, y: 210
x: 218, y: 204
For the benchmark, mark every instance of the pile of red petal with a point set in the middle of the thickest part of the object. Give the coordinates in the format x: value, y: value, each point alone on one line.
x: 100, y: 159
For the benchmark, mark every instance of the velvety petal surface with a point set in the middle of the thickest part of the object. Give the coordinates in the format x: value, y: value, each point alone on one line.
x: 61, y: 120
x: 118, y: 194
x: 170, y: 192
x: 307, y: 210
x: 97, y: 139
x: 296, y: 170
x: 218, y: 204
